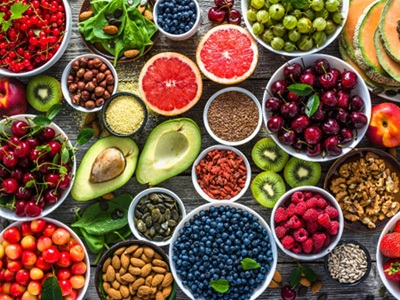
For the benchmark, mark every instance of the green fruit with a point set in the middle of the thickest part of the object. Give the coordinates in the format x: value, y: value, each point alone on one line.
x: 268, y: 156
x: 330, y: 27
x: 257, y: 4
x: 332, y: 5
x: 319, y: 24
x: 262, y: 16
x: 322, y: 14
x: 279, y: 30
x: 257, y: 28
x: 338, y: 18
x: 106, y: 166
x: 43, y: 91
x: 267, y: 187
x: 290, y: 22
x: 304, y: 25
x: 170, y: 149
x: 294, y: 35
x: 267, y: 36
x: 277, y: 43
x: 289, y: 47
x: 317, y: 5
x: 298, y: 172
x: 276, y: 12
x: 252, y: 14
x: 319, y: 38
x: 305, y: 43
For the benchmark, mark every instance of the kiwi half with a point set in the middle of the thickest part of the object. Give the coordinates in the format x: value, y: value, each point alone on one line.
x: 43, y: 91
x: 300, y: 172
x: 268, y: 156
x: 267, y: 187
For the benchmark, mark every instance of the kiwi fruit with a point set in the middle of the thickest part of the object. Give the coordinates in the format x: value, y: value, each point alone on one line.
x: 300, y: 172
x: 43, y: 91
x: 267, y: 187
x: 268, y: 156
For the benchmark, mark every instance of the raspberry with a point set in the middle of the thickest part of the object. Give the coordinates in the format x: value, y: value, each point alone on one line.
x: 307, y: 245
x: 280, y: 215
x: 324, y: 220
x: 322, y: 203
x: 280, y: 231
x: 310, y: 215
x: 296, y: 248
x: 294, y: 222
x: 332, y: 212
x: 318, y: 195
x: 307, y: 195
x: 288, y: 242
x: 297, y: 197
x: 290, y: 210
x: 312, y: 202
x: 300, y: 208
x: 300, y: 235
x: 318, y: 240
x: 312, y: 226
x: 334, y: 228
x: 327, y: 241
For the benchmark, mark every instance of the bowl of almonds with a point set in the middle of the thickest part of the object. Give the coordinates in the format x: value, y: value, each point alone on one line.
x: 134, y: 269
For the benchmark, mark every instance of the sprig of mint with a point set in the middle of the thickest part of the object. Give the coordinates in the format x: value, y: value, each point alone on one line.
x: 299, y: 4
x: 249, y: 264
x: 298, y: 271
x: 17, y: 9
x: 303, y: 90
x: 220, y: 285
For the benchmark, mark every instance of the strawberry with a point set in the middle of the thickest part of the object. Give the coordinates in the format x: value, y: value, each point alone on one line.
x: 397, y: 226
x: 390, y: 245
x: 391, y: 268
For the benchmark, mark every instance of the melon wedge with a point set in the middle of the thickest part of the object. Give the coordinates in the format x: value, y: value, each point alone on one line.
x: 387, y: 62
x: 388, y: 28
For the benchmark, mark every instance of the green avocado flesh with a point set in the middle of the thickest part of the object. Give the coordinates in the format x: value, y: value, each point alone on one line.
x: 170, y: 149
x: 84, y: 188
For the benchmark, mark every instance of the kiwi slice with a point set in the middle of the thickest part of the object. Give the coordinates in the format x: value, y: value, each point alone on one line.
x: 268, y: 156
x: 43, y: 91
x: 267, y: 187
x: 300, y: 172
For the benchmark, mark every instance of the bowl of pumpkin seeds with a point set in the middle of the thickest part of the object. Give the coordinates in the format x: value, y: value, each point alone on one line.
x: 154, y: 214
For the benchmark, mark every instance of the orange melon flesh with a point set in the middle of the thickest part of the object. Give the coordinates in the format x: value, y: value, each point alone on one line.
x: 391, y: 66
x: 388, y: 28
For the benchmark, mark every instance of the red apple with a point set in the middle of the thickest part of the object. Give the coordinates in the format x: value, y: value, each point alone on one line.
x: 384, y: 128
x: 12, y: 97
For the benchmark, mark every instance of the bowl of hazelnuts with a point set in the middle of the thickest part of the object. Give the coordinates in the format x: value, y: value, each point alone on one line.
x: 88, y: 81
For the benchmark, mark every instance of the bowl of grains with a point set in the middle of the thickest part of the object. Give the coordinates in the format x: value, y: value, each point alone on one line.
x: 232, y: 116
x: 348, y: 264
x: 124, y: 114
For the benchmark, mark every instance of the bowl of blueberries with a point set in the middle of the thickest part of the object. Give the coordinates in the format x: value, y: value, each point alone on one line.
x: 223, y: 248
x: 178, y: 20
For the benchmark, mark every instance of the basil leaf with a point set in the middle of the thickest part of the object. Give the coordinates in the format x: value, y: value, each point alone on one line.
x: 249, y: 264
x: 41, y: 121
x: 84, y: 136
x: 301, y: 89
x: 295, y: 277
x: 309, y: 274
x: 51, y: 289
x: 312, y: 105
x: 220, y: 285
x: 53, y: 111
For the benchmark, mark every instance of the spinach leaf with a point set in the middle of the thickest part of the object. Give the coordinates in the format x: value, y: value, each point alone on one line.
x: 94, y: 242
x: 112, y: 237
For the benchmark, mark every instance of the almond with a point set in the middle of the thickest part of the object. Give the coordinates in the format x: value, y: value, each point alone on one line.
x: 110, y: 273
x: 273, y: 284
x: 149, y: 280
x: 167, y: 291
x: 110, y: 29
x: 134, y: 270
x: 159, y: 296
x: 131, y: 249
x: 316, y: 287
x: 114, y: 294
x: 141, y: 8
x: 85, y: 15
x: 115, y: 284
x: 125, y: 261
x: 106, y: 264
x: 160, y: 263
x: 131, y: 53
x: 138, y: 283
x: 145, y: 258
x: 137, y: 262
x: 157, y: 279
x: 146, y: 269
x: 108, y: 196
x: 144, y: 290
x: 148, y: 252
x: 138, y: 252
x: 128, y: 277
x: 124, y: 291
x: 159, y: 270
x: 148, y: 15
x: 119, y: 251
x: 116, y: 262
x: 168, y: 279
x: 277, y: 277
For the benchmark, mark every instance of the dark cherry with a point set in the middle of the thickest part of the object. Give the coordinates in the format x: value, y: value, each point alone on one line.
x: 19, y: 128
x: 47, y: 134
x: 328, y: 81
x: 343, y: 99
x: 290, y: 109
x: 13, y: 142
x: 321, y: 66
x: 330, y: 127
x: 332, y: 147
x: 217, y: 15
x: 292, y: 97
x: 314, y: 150
x: 308, y: 78
x: 329, y: 98
x: 342, y: 116
x: 279, y: 88
x: 18, y: 174
x: 23, y: 193
x: 298, y: 145
x: 358, y: 119
x: 33, y: 143
x: 287, y: 137
x: 357, y: 103
x: 300, y: 123
x: 22, y: 149
x: 293, y: 71
x: 273, y: 104
x: 287, y: 293
x: 312, y: 135
x: 234, y: 17
x: 20, y: 208
x: 349, y: 80
x: 64, y: 182
x: 52, y: 196
x: 275, y: 123
x: 4, y: 173
x: 319, y: 114
x: 224, y: 3
x: 9, y: 159
x: 346, y: 135
x: 336, y: 73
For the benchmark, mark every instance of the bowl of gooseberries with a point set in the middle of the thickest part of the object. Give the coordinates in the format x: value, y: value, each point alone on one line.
x: 37, y: 167
x: 43, y: 258
x: 298, y: 28
x: 316, y: 107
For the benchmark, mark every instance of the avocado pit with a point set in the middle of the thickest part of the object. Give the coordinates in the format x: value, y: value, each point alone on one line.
x: 109, y: 164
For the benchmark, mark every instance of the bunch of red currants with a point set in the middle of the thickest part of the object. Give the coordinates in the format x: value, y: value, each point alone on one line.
x: 223, y: 11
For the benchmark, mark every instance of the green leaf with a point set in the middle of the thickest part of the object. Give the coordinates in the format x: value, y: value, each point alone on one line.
x: 312, y: 105
x: 309, y: 274
x: 249, y: 264
x: 17, y: 9
x: 301, y: 89
x: 295, y: 277
x: 64, y: 155
x: 51, y: 289
x: 296, y: 3
x: 5, y: 199
x: 84, y: 136
x: 53, y: 111
x: 41, y: 121
x: 220, y: 285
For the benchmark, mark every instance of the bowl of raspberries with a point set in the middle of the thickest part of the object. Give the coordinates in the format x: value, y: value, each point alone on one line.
x: 307, y: 223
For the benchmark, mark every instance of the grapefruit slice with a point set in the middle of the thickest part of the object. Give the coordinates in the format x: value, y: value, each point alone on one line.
x: 227, y: 54
x: 170, y: 83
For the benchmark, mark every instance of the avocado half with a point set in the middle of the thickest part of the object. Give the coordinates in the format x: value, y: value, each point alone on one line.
x: 170, y: 149
x: 84, y: 189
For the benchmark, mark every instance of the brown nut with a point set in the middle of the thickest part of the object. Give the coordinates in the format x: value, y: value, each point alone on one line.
x: 75, y: 65
x: 85, y: 95
x: 90, y: 86
x: 103, y: 84
x: 110, y: 79
x: 70, y: 79
x: 73, y: 87
x: 106, y: 95
x: 110, y: 29
x: 110, y: 88
x: 90, y: 104
x: 97, y: 62
x: 99, y: 91
x: 76, y: 99
x: 90, y: 64
x: 88, y: 76
x: 99, y: 102
x: 80, y: 72
x: 81, y: 85
x: 100, y: 76
x: 85, y: 15
x: 131, y: 53
x: 103, y: 68
x: 83, y: 62
x: 107, y: 72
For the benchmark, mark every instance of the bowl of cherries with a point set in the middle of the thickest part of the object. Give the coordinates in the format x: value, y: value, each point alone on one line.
x: 37, y: 167
x: 316, y: 107
x: 223, y: 11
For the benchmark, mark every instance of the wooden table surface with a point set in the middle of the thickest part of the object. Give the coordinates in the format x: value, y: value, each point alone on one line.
x: 70, y: 120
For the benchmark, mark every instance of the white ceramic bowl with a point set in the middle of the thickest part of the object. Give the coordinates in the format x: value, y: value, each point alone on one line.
x: 232, y: 143
x: 132, y: 208
x: 202, y: 155
x: 361, y: 90
x: 245, y: 4
x: 260, y: 289
x: 9, y: 214
x: 392, y: 286
x: 64, y: 44
x: 177, y: 37
x: 66, y: 72
x: 334, y: 241
x: 82, y: 291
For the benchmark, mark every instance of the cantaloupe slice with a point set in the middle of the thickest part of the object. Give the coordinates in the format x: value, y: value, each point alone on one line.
x: 388, y: 28
x: 387, y: 62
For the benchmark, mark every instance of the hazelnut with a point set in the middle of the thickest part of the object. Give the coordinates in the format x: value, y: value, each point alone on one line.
x: 95, y: 72
x: 100, y: 76
x: 75, y: 99
x: 110, y: 88
x: 81, y: 85
x: 88, y: 76
x: 97, y: 62
x: 106, y: 95
x: 90, y: 64
x: 75, y: 65
x: 108, y: 72
x: 70, y: 79
x: 103, y: 84
x: 85, y: 95
x: 99, y: 102
x: 83, y: 61
x: 80, y: 72
x: 72, y: 87
x: 110, y: 79
x: 99, y: 91
x: 103, y: 68
x: 90, y: 104
x: 90, y: 86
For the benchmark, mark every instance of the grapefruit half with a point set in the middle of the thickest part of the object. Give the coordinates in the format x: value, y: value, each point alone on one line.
x: 170, y: 83
x: 227, y: 54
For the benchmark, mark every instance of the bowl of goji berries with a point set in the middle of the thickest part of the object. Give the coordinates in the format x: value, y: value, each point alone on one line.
x: 33, y: 36
x: 221, y: 173
x: 307, y: 223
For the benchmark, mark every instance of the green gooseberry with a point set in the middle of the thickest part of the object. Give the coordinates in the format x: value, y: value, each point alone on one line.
x: 276, y: 11
x: 273, y: 1
x: 322, y: 14
x: 319, y: 24
x: 279, y: 29
x: 277, y: 43
x: 337, y: 18
x: 305, y: 43
x: 294, y: 35
x: 257, y: 4
x: 296, y: 13
x: 267, y: 36
x: 319, y: 38
x: 290, y: 22
x: 309, y: 13
x: 304, y: 25
x: 258, y: 28
x: 252, y: 14
x: 289, y: 46
x: 330, y: 27
x: 332, y: 5
x: 262, y: 16
x: 317, y: 5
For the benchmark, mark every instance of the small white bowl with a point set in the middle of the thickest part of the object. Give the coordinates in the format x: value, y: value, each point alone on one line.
x: 86, y: 260
x: 260, y: 289
x: 66, y: 72
x: 177, y: 37
x: 202, y: 155
x: 329, y: 198
x: 392, y: 286
x: 259, y: 116
x: 132, y: 208
x: 64, y: 44
x: 9, y: 214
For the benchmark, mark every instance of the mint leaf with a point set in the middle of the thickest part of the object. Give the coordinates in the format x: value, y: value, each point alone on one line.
x: 249, y: 264
x: 296, y: 3
x: 84, y: 136
x: 51, y: 289
x: 41, y: 121
x: 301, y: 89
x: 309, y: 274
x: 295, y: 277
x: 220, y: 285
x: 312, y: 105
x: 53, y: 111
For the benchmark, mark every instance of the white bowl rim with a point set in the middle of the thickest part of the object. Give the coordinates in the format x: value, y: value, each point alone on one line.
x: 334, y: 241
x: 135, y: 200
x: 362, y: 87
x: 233, y: 89
x: 84, y: 289
x: 257, y: 292
x: 203, y: 153
x: 331, y: 38
x: 66, y: 72
x: 10, y: 215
